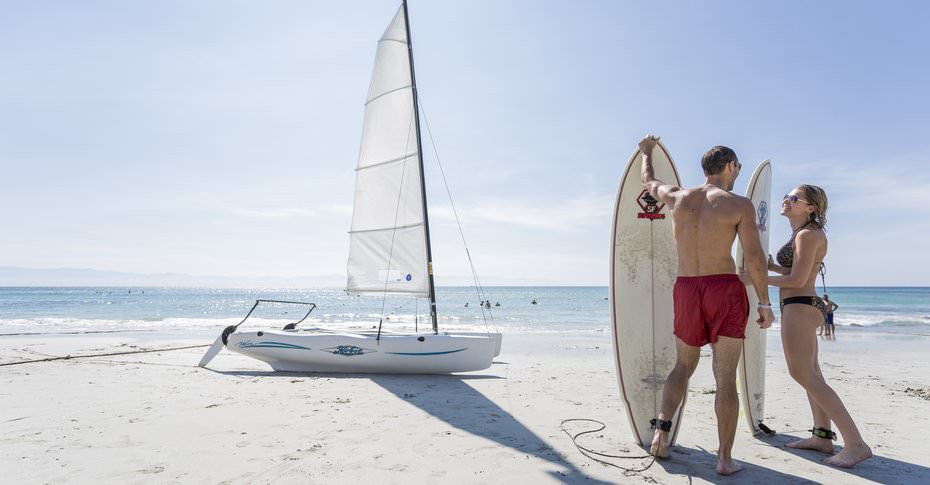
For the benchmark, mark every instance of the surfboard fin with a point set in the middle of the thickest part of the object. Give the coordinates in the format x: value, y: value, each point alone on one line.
x: 765, y: 429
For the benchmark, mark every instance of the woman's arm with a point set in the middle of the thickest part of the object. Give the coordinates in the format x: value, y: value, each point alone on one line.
x: 806, y: 244
x: 775, y: 268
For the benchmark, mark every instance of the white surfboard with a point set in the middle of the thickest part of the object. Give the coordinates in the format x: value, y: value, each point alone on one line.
x: 751, y: 369
x: 643, y: 268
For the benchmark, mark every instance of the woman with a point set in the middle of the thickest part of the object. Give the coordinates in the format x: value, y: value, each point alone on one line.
x: 802, y: 312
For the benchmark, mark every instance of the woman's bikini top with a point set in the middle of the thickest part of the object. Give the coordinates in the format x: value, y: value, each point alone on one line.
x: 785, y: 255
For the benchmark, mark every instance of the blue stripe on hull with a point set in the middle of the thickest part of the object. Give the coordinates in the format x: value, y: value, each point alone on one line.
x: 426, y: 353
x: 273, y: 345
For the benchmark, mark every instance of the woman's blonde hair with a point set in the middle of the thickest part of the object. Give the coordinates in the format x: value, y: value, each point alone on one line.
x: 817, y: 198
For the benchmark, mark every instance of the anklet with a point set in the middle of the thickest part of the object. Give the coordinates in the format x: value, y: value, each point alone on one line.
x: 661, y: 425
x: 824, y: 433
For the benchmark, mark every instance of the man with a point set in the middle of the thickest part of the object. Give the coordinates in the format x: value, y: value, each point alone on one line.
x: 710, y: 300
x: 831, y: 307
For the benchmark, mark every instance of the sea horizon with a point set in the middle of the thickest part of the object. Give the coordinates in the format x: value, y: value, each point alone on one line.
x: 581, y: 310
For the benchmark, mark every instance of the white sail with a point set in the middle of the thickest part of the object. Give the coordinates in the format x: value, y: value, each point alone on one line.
x: 387, y: 249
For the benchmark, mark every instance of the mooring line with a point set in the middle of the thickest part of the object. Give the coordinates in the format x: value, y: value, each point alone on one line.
x: 110, y: 354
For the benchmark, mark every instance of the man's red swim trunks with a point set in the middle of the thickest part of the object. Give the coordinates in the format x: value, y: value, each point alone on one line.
x: 707, y: 307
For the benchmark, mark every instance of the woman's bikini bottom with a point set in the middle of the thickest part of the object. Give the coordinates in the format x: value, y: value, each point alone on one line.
x: 813, y: 301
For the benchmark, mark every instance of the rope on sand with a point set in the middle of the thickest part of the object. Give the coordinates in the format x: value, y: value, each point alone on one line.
x: 587, y: 452
x: 77, y: 332
x: 110, y: 354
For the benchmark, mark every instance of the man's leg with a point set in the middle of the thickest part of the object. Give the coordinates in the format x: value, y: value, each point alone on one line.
x: 676, y: 385
x: 726, y: 404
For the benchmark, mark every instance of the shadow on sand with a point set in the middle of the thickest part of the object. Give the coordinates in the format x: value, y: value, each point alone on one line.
x: 700, y: 463
x: 450, y: 399
x: 879, y: 469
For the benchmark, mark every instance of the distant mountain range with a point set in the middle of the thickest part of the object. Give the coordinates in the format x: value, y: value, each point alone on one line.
x: 16, y: 276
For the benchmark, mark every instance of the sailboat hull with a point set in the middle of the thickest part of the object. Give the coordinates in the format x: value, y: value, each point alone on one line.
x: 298, y: 351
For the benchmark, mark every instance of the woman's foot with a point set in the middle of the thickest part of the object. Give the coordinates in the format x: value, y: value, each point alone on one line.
x: 728, y: 467
x: 850, y: 455
x: 659, y: 446
x: 813, y: 443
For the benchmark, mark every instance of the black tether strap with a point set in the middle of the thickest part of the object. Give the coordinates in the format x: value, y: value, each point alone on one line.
x: 587, y: 452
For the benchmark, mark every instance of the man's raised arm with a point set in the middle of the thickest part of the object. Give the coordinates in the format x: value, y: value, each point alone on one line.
x: 657, y: 188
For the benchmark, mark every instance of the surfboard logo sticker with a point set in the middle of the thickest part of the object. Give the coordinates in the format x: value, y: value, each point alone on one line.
x: 652, y: 208
x: 763, y: 213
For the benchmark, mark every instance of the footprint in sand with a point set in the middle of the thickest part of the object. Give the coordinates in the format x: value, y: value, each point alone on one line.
x: 152, y: 469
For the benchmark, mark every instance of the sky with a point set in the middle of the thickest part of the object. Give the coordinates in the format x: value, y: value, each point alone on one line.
x: 220, y: 137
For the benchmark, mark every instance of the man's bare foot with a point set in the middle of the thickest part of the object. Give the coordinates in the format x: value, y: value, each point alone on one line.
x: 659, y: 444
x: 728, y: 467
x: 850, y: 455
x: 813, y: 443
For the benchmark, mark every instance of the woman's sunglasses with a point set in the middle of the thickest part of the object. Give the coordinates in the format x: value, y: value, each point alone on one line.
x: 794, y: 199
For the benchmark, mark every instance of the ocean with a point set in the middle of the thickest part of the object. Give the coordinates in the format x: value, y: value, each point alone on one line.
x: 578, y: 310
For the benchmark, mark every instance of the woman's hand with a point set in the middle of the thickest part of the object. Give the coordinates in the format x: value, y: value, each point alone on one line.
x: 772, y: 265
x: 744, y: 276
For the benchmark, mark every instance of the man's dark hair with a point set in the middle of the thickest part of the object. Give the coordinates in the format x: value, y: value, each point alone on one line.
x: 716, y: 158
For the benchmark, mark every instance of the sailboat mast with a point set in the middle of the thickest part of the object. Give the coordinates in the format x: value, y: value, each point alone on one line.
x: 416, y: 119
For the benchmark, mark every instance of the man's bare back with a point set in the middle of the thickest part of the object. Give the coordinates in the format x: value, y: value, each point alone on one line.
x: 705, y: 221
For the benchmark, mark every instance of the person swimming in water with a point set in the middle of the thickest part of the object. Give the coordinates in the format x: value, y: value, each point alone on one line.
x: 802, y: 311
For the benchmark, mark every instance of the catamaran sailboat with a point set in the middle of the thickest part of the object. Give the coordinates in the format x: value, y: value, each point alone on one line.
x: 389, y: 251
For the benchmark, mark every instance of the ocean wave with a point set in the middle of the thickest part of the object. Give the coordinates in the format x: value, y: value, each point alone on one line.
x: 879, y: 319
x: 345, y: 322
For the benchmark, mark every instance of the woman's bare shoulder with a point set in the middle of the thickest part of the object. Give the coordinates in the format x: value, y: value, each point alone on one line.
x: 811, y: 235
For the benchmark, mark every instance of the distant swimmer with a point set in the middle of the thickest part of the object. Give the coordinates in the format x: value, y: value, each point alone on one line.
x: 466, y: 304
x: 534, y: 301
x: 497, y: 304
x: 487, y: 304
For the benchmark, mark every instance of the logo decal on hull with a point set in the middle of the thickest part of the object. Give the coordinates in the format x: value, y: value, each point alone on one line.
x: 652, y: 208
x: 348, y: 350
x: 763, y: 215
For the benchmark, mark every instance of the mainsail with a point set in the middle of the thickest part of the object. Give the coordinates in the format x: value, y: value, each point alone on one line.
x: 388, y: 241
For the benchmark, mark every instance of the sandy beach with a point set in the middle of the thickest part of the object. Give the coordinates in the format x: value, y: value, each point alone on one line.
x: 157, y: 418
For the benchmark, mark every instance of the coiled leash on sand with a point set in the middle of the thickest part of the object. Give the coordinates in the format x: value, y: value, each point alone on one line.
x: 589, y: 453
